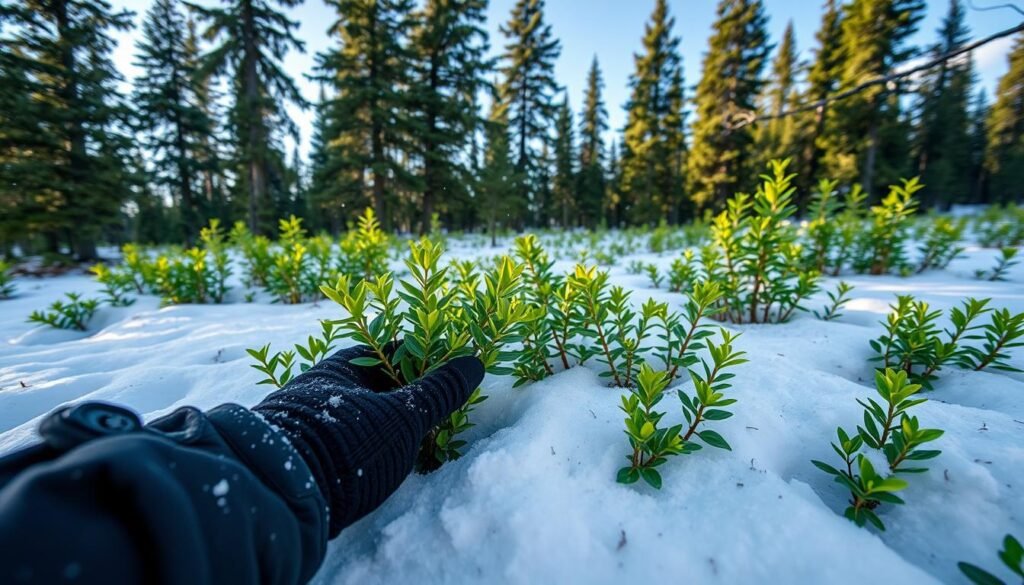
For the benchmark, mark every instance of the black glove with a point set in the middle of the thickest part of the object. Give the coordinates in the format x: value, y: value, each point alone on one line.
x: 358, y: 434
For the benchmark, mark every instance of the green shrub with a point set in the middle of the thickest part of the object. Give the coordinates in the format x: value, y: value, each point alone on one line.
x: 913, y: 343
x: 881, y: 247
x: 6, y: 281
x: 836, y: 301
x: 1000, y: 226
x: 755, y: 256
x: 652, y: 445
x: 940, y: 242
x: 1007, y: 259
x: 887, y: 427
x: 683, y: 272
x: 654, y: 275
x: 364, y: 250
x: 117, y: 284
x: 73, y: 314
x: 1012, y: 557
x: 442, y: 321
x: 255, y: 252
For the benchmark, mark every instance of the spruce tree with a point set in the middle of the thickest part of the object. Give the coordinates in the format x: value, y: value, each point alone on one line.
x: 651, y: 145
x: 720, y: 161
x: 369, y: 118
x: 564, y: 183
x: 943, y: 145
x: 590, y: 191
x: 527, y: 88
x: 253, y: 38
x: 498, y: 177
x: 449, y: 46
x: 866, y: 137
x: 176, y: 130
x: 1004, y: 161
x: 978, y: 146
x: 63, y: 157
x: 776, y: 137
x: 822, y: 81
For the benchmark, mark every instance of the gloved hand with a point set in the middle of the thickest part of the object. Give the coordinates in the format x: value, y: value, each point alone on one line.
x: 359, y: 434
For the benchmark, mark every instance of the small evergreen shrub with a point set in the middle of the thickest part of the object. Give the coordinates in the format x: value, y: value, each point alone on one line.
x: 940, y: 242
x: 1012, y: 557
x: 880, y: 249
x: 6, y: 281
x: 1000, y: 226
x: 117, y: 285
x: 653, y: 445
x: 912, y: 341
x: 75, y: 313
x: 654, y: 275
x: 480, y: 314
x: 888, y: 428
x: 837, y: 299
x: 1007, y: 259
x: 755, y: 256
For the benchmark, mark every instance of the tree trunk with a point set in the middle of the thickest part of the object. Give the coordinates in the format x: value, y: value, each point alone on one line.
x: 254, y: 113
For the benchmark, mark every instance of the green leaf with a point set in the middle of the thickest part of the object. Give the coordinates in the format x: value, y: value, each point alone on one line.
x: 652, y: 477
x: 365, y: 361
x: 714, y: 439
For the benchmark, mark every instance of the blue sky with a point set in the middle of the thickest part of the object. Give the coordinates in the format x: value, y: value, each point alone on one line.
x: 612, y: 29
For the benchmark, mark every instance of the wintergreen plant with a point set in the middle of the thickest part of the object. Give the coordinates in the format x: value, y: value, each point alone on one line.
x: 679, y: 340
x: 6, y: 281
x: 364, y: 249
x: 823, y: 232
x: 214, y: 243
x: 442, y: 321
x: 140, y: 268
x: 913, y: 343
x: 654, y: 275
x: 708, y: 401
x: 850, y: 224
x: 1012, y: 557
x: 75, y: 313
x: 288, y: 278
x: 1004, y: 332
x: 837, y: 299
x: 755, y: 255
x: 635, y: 267
x: 887, y: 427
x: 651, y: 445
x: 1000, y: 226
x: 255, y: 252
x: 940, y: 242
x: 1007, y: 259
x: 881, y: 247
x: 683, y: 272
x: 314, y: 350
x: 545, y: 337
x: 117, y: 285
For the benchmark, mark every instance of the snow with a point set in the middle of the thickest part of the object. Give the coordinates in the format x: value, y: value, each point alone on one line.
x: 534, y: 499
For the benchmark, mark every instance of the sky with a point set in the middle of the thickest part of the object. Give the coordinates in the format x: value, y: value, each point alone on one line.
x: 612, y: 30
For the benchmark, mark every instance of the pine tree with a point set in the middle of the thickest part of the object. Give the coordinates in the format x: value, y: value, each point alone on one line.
x: 527, y: 88
x: 776, y: 137
x: 943, y: 145
x: 1004, y: 161
x: 590, y: 191
x: 176, y: 129
x: 255, y: 36
x: 720, y: 161
x: 449, y: 46
x: 866, y: 137
x: 979, y: 145
x: 64, y: 151
x: 565, y: 179
x: 498, y: 177
x: 649, y: 164
x: 822, y: 81
x: 369, y: 114
x: 326, y: 203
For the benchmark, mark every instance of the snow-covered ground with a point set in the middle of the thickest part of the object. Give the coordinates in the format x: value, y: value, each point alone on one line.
x: 535, y: 501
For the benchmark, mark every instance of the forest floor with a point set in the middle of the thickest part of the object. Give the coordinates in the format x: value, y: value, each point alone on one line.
x: 534, y: 500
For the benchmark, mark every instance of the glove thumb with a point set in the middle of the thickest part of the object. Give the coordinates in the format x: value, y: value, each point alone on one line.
x: 444, y: 390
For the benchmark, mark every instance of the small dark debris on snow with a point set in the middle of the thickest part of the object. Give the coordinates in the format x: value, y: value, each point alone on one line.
x: 23, y: 384
x: 622, y: 540
x: 984, y: 427
x: 739, y: 484
x: 592, y: 414
x: 982, y: 461
x: 753, y: 428
x: 945, y: 474
x: 552, y: 450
